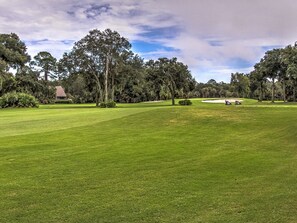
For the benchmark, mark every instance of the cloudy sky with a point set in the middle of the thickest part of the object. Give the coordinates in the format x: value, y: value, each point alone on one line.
x: 213, y: 37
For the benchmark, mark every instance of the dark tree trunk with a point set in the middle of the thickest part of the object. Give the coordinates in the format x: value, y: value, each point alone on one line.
x: 261, y: 93
x: 294, y: 93
x: 98, y: 90
x: 172, y: 91
x: 112, y: 87
x: 46, y: 75
x: 97, y: 96
x: 284, y: 91
x: 1, y: 82
x: 272, y: 90
x: 106, y: 80
x: 158, y: 93
x: 172, y: 99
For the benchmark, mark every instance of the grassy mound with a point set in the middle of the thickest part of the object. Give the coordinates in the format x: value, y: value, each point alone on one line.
x: 149, y: 163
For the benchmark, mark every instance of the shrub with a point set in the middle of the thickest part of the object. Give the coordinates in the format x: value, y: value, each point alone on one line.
x: 64, y: 101
x: 18, y: 100
x: 110, y: 104
x: 185, y: 102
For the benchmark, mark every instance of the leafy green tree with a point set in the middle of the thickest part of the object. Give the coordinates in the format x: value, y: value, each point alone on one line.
x: 104, y: 48
x: 272, y: 66
x: 27, y: 81
x: 7, y: 83
x: 241, y: 84
x: 289, y: 58
x: 79, y: 90
x: 212, y: 82
x: 45, y: 63
x: 13, y: 52
x: 292, y: 73
x: 90, y: 63
x: 170, y: 73
x: 154, y: 80
x: 94, y: 55
x: 131, y: 83
x: 205, y: 92
x: 258, y: 79
x: 125, y: 65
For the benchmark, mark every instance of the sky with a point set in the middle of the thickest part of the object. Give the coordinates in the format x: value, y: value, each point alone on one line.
x: 213, y: 37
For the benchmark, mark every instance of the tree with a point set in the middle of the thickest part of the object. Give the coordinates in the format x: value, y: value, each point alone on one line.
x: 121, y: 67
x: 272, y: 67
x: 154, y: 79
x: 112, y: 46
x: 212, y: 82
x: 130, y: 82
x: 289, y: 58
x: 86, y: 59
x: 27, y: 82
x: 45, y: 63
x: 7, y: 83
x: 94, y: 53
x: 241, y: 84
x: 13, y: 52
x: 258, y: 78
x: 170, y: 73
x: 292, y: 73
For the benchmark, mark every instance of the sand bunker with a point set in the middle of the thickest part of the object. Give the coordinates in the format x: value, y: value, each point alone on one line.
x: 153, y: 101
x: 221, y: 101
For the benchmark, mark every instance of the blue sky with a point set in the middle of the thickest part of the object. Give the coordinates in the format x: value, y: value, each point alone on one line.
x: 213, y: 37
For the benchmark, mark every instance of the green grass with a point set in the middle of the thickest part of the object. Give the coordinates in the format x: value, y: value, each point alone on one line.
x: 149, y: 163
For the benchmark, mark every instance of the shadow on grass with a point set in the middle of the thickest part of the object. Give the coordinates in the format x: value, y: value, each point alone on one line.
x: 66, y: 107
x: 142, y: 105
x: 89, y: 106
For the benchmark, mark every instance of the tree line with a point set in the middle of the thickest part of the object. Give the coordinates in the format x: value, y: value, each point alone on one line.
x: 275, y: 75
x: 101, y: 67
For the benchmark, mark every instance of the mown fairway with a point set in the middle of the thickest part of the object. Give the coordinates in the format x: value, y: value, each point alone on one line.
x: 149, y: 163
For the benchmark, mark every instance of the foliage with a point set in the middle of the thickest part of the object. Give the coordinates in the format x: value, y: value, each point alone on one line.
x: 101, y: 67
x: 27, y: 82
x: 109, y: 104
x: 64, y: 101
x: 171, y: 74
x: 94, y: 55
x: 241, y: 84
x: 13, y: 52
x: 276, y: 69
x: 79, y: 89
x: 44, y: 62
x: 185, y: 102
x: 18, y: 100
x: 7, y: 83
x: 130, y: 85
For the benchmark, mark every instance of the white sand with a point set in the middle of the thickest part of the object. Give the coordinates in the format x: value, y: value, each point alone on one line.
x: 221, y: 101
x: 153, y: 101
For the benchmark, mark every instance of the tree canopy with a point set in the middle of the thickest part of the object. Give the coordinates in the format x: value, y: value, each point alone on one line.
x: 101, y: 67
x: 13, y: 52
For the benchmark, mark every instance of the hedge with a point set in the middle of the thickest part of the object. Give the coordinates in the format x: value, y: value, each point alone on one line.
x: 18, y: 100
x: 185, y: 102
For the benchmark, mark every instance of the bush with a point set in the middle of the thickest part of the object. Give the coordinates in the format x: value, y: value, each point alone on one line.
x: 110, y: 104
x: 18, y: 100
x: 185, y: 102
x: 64, y: 101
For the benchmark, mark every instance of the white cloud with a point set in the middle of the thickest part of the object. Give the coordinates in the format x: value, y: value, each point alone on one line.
x: 238, y: 29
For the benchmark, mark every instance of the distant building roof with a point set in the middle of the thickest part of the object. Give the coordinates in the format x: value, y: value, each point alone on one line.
x: 60, y: 93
